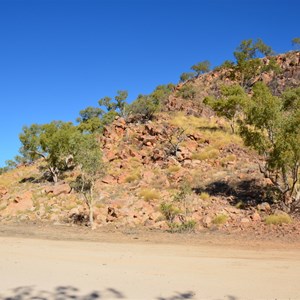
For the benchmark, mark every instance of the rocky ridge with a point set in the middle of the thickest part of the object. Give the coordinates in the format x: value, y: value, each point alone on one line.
x: 192, y: 162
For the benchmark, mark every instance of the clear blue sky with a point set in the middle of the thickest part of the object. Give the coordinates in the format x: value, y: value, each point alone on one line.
x: 60, y: 56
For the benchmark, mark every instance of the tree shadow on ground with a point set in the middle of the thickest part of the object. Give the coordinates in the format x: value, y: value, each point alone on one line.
x: 245, y: 193
x: 59, y: 293
x: 179, y: 296
x: 73, y: 293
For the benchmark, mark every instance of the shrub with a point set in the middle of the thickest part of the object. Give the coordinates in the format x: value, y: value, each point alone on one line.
x: 132, y: 177
x: 144, y: 108
x: 187, y: 92
x: 148, y: 195
x: 187, y: 226
x: 240, y: 205
x: 278, y: 219
x: 187, y: 76
x: 204, y: 196
x: 169, y: 211
x: 220, y: 219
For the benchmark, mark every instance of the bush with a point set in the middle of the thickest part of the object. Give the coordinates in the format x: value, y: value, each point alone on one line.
x: 187, y: 76
x: 187, y: 226
x: 169, y: 211
x: 220, y: 219
x: 187, y: 92
x: 204, y: 196
x: 132, y: 177
x: 144, y: 108
x: 148, y: 195
x: 278, y: 219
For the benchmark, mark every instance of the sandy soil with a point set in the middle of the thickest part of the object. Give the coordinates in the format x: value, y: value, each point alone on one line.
x: 139, y: 265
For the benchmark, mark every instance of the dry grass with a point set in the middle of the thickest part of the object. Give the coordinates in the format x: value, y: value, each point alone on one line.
x: 227, y: 159
x: 220, y: 219
x: 192, y: 123
x: 206, y: 154
x: 134, y: 176
x: 278, y: 219
x: 173, y: 169
x: 204, y: 196
x: 148, y: 194
x: 215, y: 130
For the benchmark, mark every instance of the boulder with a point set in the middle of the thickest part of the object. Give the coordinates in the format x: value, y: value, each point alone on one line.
x: 3, y: 191
x: 264, y: 207
x: 256, y: 217
x: 207, y: 221
x: 58, y: 189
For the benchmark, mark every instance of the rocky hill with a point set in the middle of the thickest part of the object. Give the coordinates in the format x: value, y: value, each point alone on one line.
x: 210, y: 83
x: 182, y: 171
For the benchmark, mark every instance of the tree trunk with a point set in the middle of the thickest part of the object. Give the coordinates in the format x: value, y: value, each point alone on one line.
x: 91, y: 207
x: 54, y: 174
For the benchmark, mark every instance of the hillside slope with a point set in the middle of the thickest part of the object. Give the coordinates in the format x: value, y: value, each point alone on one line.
x: 183, y: 171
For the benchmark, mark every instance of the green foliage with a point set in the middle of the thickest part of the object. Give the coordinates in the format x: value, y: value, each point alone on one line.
x: 187, y: 92
x: 88, y: 157
x: 107, y: 103
x: 271, y: 126
x: 161, y: 93
x: 296, y: 42
x: 3, y: 170
x: 93, y: 119
x: 201, y: 67
x: 144, y: 108
x: 185, y: 190
x: 91, y: 125
x: 52, y: 142
x: 89, y: 113
x: 109, y: 117
x: 186, y: 226
x: 227, y: 64
x: 247, y: 63
x: 118, y: 105
x: 169, y: 211
x: 230, y: 105
x: 90, y: 119
x: 187, y: 76
x: 272, y: 66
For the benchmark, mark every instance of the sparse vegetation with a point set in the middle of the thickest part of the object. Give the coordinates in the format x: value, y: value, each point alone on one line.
x: 296, y: 42
x: 149, y: 194
x: 168, y: 156
x: 169, y: 211
x: 184, y: 227
x: 187, y: 92
x: 201, y: 67
x: 220, y: 219
x: 278, y: 219
x: 206, y: 154
x: 204, y: 196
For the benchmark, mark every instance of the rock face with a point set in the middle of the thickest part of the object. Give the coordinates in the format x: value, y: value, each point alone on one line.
x: 210, y: 83
x: 21, y: 202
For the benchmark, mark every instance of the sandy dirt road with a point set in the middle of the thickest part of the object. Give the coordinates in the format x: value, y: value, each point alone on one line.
x: 45, y: 269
